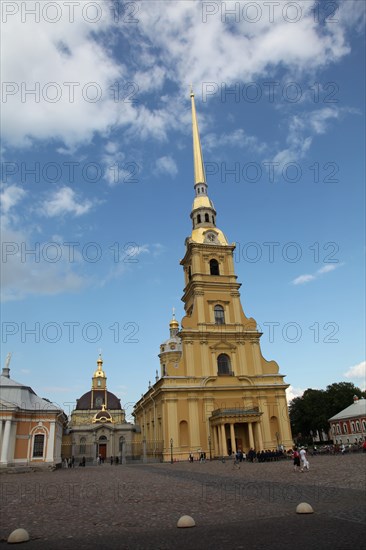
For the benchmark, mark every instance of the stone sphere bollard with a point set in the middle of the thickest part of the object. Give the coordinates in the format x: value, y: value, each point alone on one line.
x: 304, y: 508
x: 186, y: 521
x: 18, y: 535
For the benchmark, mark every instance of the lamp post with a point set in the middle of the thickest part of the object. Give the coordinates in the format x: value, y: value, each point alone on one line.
x: 209, y: 446
x: 171, y: 450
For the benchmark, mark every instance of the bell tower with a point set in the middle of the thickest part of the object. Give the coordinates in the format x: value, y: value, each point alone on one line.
x: 99, y: 385
x: 216, y: 393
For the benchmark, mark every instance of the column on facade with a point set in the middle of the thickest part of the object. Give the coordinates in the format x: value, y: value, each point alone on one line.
x: 50, y: 442
x: 188, y: 351
x: 218, y: 436
x: 236, y: 307
x: 1, y: 433
x: 193, y: 422
x: 200, y: 304
x: 258, y: 436
x: 111, y: 438
x: 205, y: 359
x: 215, y: 440
x: 284, y: 422
x: 6, y: 442
x: 251, y: 438
x: 234, y: 367
x: 172, y: 422
x: 223, y: 441
x: 256, y: 357
x: 232, y: 437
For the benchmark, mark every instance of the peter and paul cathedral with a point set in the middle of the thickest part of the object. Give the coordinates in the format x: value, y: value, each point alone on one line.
x: 215, y: 393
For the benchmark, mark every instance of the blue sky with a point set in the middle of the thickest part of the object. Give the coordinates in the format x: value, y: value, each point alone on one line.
x: 97, y: 179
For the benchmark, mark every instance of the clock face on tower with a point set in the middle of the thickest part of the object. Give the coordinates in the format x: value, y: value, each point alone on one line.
x: 211, y: 237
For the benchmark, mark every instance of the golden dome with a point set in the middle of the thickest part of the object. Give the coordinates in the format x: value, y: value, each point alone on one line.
x: 174, y: 323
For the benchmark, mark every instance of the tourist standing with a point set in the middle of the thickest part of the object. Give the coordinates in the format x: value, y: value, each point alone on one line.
x: 296, y: 457
x: 304, y: 460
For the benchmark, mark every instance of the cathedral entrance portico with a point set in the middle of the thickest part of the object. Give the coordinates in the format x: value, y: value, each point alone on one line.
x: 236, y: 429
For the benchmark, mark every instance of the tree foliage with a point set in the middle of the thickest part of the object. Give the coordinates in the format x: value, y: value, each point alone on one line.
x: 311, y: 412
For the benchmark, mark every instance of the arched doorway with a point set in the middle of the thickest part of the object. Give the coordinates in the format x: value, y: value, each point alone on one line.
x: 102, y: 447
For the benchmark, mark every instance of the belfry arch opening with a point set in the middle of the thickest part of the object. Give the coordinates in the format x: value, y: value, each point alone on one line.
x: 214, y: 267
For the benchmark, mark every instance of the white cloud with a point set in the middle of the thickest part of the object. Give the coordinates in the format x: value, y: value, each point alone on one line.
x: 328, y: 268
x: 25, y: 274
x: 166, y: 165
x: 357, y: 371
x: 303, y: 279
x: 10, y: 196
x: 74, y: 112
x: 170, y: 41
x: 292, y: 392
x: 65, y: 201
x: 303, y: 128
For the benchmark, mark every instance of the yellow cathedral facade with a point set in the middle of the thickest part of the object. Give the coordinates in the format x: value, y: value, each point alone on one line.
x: 216, y: 393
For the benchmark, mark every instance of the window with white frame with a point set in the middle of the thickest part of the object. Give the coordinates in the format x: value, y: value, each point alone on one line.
x: 38, y: 446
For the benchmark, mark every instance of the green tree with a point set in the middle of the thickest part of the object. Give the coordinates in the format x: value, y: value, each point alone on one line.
x: 340, y: 395
x: 311, y: 412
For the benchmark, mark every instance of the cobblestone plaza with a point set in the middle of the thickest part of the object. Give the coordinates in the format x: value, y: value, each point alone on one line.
x: 138, y: 506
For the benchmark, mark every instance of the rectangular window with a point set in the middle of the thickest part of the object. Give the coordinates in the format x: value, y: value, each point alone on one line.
x: 38, y: 445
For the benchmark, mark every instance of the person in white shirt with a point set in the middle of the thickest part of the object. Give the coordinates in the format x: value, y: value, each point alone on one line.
x: 304, y: 460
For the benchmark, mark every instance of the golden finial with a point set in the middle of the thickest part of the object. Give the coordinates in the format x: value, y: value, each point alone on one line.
x: 192, y: 94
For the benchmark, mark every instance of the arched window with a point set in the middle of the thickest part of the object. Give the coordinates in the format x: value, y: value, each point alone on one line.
x: 345, y: 428
x: 82, y: 448
x: 199, y: 190
x: 38, y: 444
x: 213, y: 220
x: 219, y: 315
x: 223, y: 364
x: 207, y: 219
x: 214, y: 267
x: 357, y: 426
x: 198, y: 218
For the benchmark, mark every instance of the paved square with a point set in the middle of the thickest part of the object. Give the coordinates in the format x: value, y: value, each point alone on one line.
x: 138, y: 506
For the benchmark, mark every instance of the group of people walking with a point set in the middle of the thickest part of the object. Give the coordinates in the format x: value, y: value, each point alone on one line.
x: 301, y: 462
x: 70, y: 462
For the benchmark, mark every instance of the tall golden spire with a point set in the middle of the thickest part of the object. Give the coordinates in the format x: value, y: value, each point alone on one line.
x: 199, y: 170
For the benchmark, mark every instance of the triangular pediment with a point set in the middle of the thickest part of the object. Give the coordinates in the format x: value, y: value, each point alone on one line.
x: 222, y: 346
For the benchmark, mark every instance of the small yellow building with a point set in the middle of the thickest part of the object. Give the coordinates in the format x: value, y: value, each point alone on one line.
x: 216, y: 393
